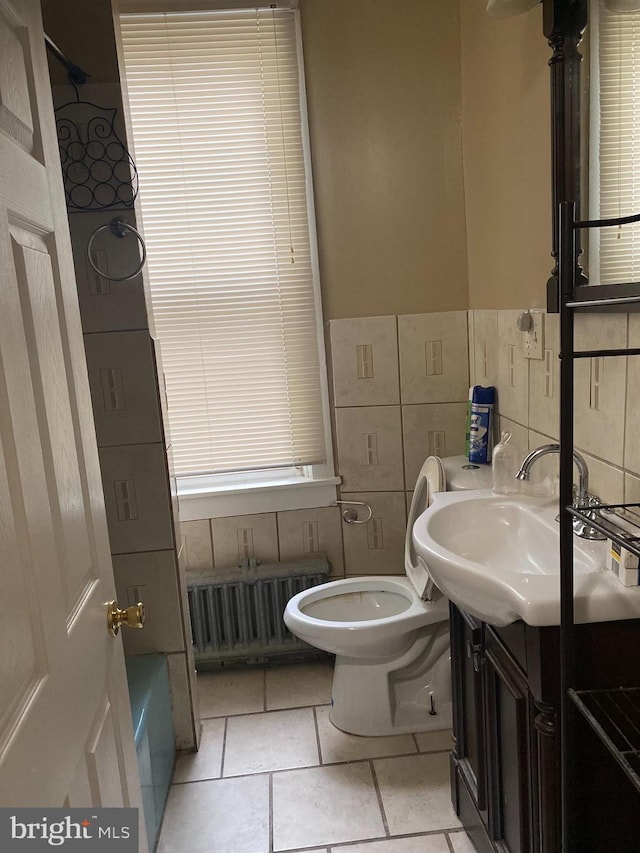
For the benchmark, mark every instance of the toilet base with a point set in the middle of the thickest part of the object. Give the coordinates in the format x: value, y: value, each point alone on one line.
x: 394, y: 696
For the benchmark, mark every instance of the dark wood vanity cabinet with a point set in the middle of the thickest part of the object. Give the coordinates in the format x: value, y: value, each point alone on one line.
x: 493, y: 759
x: 505, y: 763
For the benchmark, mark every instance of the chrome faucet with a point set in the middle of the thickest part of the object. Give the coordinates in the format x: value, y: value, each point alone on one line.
x: 581, y: 497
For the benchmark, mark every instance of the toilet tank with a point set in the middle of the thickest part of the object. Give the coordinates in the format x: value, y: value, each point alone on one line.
x: 460, y: 474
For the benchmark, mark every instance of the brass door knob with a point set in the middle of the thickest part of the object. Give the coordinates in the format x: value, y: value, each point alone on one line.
x: 130, y: 617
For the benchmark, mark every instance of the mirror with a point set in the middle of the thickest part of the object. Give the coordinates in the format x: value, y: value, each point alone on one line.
x: 595, y: 77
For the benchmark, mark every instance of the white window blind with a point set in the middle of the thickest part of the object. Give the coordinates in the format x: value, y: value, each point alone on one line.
x: 617, y: 141
x: 214, y: 103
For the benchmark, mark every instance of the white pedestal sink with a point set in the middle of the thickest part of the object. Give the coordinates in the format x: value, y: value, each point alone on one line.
x: 497, y: 557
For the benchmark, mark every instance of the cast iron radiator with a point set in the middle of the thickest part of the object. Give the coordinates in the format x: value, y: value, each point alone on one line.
x: 236, y: 612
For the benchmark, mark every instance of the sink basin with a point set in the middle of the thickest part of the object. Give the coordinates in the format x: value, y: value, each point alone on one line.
x: 497, y: 557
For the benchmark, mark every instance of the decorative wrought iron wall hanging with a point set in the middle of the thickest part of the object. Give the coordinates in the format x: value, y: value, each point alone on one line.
x: 98, y: 171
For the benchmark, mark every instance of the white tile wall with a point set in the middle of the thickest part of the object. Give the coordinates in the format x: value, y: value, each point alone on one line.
x: 434, y: 357
x: 604, y: 434
x: 485, y: 347
x: 190, y: 663
x: 600, y: 387
x: 308, y: 533
x: 632, y: 489
x: 369, y: 440
x: 123, y: 388
x: 364, y: 358
x: 544, y: 382
x: 151, y: 578
x: 181, y: 701
x: 107, y: 306
x: 137, y: 500
x: 381, y: 446
x: 605, y: 481
x: 436, y: 429
x: 198, y: 549
x: 377, y: 547
x: 241, y: 537
x: 513, y: 369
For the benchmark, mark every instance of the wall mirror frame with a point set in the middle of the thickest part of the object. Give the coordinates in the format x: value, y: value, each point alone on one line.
x: 564, y: 26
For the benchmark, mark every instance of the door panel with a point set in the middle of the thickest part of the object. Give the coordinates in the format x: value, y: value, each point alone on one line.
x: 16, y: 112
x: 105, y: 780
x: 65, y: 725
x: 467, y: 652
x: 51, y: 384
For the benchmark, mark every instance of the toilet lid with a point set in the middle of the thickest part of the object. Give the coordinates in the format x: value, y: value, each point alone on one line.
x: 431, y: 480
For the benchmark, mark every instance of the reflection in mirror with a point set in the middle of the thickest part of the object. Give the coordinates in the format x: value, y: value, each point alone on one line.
x: 612, y: 134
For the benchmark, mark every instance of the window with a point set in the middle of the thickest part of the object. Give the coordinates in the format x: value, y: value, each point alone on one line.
x: 614, y: 39
x: 215, y: 107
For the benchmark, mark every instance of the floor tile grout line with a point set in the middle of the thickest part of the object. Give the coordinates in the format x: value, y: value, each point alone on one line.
x: 415, y: 740
x: 264, y: 688
x: 224, y: 747
x: 343, y: 763
x: 318, y: 744
x: 449, y: 844
x: 337, y: 846
x: 270, y: 812
x: 268, y: 711
x: 376, y: 785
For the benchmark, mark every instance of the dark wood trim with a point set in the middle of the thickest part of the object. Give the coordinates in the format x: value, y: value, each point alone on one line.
x: 467, y: 653
x: 547, y: 776
x: 564, y: 22
x: 501, y: 672
x: 607, y: 291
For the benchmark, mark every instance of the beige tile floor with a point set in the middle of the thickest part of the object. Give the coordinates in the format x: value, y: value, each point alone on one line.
x: 273, y: 775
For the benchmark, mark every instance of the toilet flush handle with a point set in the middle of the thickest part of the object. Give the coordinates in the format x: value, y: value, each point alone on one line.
x: 350, y: 516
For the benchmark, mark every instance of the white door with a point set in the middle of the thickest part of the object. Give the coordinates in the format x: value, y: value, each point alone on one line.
x: 65, y: 728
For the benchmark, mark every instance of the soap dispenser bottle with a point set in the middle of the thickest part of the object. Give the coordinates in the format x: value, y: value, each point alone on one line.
x: 504, y: 466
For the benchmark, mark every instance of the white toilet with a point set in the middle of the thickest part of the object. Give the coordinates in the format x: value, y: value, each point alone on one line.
x: 390, y: 634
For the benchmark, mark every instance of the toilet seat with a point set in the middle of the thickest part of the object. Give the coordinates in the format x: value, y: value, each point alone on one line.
x: 309, y: 614
x: 430, y: 481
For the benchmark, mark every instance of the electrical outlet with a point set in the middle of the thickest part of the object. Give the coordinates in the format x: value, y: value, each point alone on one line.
x: 534, y: 336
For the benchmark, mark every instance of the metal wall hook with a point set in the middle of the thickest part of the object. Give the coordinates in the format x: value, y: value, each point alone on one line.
x: 119, y: 228
x: 350, y: 516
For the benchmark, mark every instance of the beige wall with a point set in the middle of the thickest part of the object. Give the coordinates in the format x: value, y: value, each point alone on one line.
x: 383, y: 88
x: 507, y: 171
x: 383, y: 84
x: 83, y: 30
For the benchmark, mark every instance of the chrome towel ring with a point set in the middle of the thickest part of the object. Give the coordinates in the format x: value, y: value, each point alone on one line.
x: 119, y: 228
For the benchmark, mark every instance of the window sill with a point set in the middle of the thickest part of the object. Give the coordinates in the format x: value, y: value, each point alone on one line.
x: 197, y: 502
